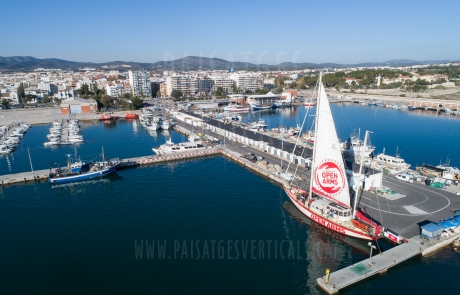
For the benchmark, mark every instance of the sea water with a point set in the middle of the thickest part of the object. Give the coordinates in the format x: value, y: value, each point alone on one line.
x: 199, y: 226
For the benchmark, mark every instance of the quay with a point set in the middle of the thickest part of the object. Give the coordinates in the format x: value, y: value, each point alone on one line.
x: 380, y: 263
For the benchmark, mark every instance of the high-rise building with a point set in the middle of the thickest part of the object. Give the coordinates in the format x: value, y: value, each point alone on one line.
x: 187, y: 85
x: 205, y: 86
x: 140, y: 84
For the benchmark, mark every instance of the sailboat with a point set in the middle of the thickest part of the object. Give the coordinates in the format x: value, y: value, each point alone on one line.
x: 328, y: 200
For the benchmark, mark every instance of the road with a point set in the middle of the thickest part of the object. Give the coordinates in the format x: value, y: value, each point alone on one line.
x: 414, y: 205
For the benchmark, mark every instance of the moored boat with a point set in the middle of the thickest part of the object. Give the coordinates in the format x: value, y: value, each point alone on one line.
x: 131, y: 116
x: 79, y: 171
x: 328, y: 200
x: 236, y: 108
x: 169, y: 147
x: 105, y: 117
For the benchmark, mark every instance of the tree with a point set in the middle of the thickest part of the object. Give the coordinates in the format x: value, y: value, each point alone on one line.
x: 158, y: 93
x: 5, y: 103
x: 219, y: 91
x: 176, y: 94
x: 21, y: 92
x: 106, y: 100
x: 137, y: 102
x: 234, y: 88
x: 84, y: 91
x: 29, y: 98
x: 46, y: 98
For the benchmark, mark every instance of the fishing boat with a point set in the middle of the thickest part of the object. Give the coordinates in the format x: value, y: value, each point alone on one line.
x: 258, y: 107
x: 328, y: 200
x: 77, y: 171
x: 170, y: 147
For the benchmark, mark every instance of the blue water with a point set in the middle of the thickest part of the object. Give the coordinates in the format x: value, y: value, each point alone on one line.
x: 121, y: 139
x: 420, y: 137
x: 82, y: 238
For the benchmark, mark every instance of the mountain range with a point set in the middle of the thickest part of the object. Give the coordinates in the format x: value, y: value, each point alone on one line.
x: 28, y: 63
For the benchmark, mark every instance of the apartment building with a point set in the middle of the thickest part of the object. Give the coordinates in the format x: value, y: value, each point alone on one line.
x: 140, y: 83
x: 224, y: 82
x: 205, y: 86
x: 186, y: 84
x: 247, y: 80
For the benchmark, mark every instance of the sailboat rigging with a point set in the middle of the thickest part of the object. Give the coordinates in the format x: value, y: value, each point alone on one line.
x: 328, y: 200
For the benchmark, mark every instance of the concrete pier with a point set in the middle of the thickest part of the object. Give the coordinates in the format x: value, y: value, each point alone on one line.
x: 24, y: 177
x: 380, y: 263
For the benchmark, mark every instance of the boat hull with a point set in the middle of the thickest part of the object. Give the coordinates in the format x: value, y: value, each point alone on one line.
x: 261, y: 108
x: 85, y: 176
x: 329, y: 224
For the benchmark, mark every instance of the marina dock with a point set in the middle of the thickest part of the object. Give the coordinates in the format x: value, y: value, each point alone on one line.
x: 381, y: 262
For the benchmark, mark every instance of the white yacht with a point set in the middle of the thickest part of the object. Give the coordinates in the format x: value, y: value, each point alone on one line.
x: 170, y: 147
x: 165, y: 125
x: 194, y: 138
x: 148, y: 113
x: 354, y: 145
x: 261, y: 123
x: 236, y: 108
x: 4, y: 149
x: 391, y: 162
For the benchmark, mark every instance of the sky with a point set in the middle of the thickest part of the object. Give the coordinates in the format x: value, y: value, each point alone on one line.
x: 261, y: 32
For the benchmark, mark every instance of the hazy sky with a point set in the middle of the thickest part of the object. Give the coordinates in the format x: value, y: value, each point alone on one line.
x: 256, y: 31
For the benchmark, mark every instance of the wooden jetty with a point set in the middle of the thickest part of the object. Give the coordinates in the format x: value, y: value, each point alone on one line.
x: 381, y: 262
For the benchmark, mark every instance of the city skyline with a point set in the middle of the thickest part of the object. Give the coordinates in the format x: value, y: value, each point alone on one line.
x: 256, y: 32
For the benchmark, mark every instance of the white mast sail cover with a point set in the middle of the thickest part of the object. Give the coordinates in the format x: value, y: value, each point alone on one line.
x: 328, y: 174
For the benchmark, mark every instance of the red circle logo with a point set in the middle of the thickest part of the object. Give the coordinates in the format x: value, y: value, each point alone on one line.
x: 330, y: 178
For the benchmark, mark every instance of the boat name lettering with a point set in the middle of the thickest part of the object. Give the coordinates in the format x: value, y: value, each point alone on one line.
x: 327, y: 223
x: 330, y: 178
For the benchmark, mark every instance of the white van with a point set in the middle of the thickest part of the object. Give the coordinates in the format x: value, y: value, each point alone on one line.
x: 405, y: 177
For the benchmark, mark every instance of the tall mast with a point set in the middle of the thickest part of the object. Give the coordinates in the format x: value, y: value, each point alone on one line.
x: 316, y: 128
x: 103, y: 160
x: 360, y: 172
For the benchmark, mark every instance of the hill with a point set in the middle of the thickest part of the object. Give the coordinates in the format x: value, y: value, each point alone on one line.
x: 29, y: 63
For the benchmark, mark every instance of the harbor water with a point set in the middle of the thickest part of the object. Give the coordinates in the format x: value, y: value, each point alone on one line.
x: 200, y: 226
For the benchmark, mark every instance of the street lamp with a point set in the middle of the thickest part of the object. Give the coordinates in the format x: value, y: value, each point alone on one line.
x: 372, y: 247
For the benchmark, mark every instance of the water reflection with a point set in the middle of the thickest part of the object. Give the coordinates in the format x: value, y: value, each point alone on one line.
x: 81, y: 186
x: 322, y: 248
